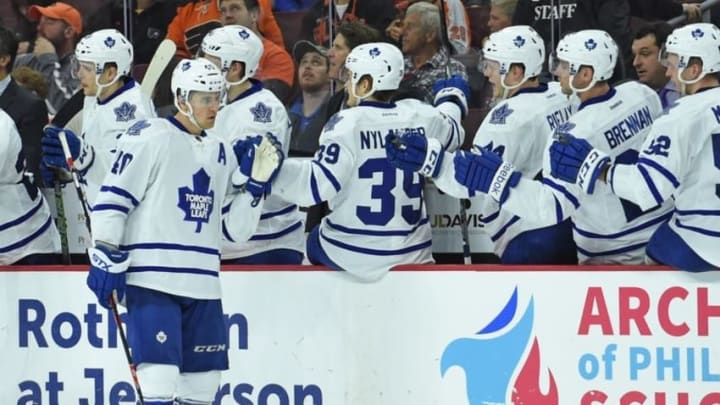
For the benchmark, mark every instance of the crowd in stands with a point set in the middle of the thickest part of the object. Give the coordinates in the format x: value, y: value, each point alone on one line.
x: 305, y: 44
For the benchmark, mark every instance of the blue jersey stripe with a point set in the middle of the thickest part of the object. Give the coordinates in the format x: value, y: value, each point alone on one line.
x: 329, y: 175
x: 698, y: 212
x: 28, y: 239
x: 651, y: 184
x: 283, y: 211
x: 225, y: 233
x: 665, y: 172
x: 558, y: 210
x: 612, y: 252
x: 701, y: 231
x: 111, y: 207
x: 165, y: 269
x: 504, y: 228
x: 121, y: 192
x: 562, y: 190
x: 268, y: 236
x: 636, y: 228
x: 314, y: 188
x: 23, y: 217
x: 490, y: 217
x: 224, y: 210
x: 170, y: 246
x: 376, y: 252
x: 355, y: 231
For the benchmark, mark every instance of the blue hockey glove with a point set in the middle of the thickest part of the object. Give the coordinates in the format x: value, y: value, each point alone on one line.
x: 245, y: 153
x: 107, y: 273
x: 574, y: 160
x: 53, y: 154
x: 415, y: 152
x: 486, y: 172
x: 454, y: 90
x: 49, y: 175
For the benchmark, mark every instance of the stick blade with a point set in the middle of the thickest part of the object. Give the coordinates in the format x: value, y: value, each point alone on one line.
x: 160, y: 60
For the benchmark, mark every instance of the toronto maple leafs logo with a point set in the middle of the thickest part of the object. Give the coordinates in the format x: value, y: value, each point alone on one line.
x: 374, y: 52
x: 137, y: 127
x: 244, y: 34
x: 590, y: 44
x: 697, y: 33
x: 519, y: 41
x: 125, y: 112
x: 563, y: 131
x: 261, y: 113
x: 109, y: 42
x: 500, y: 114
x: 330, y: 124
x: 197, y: 202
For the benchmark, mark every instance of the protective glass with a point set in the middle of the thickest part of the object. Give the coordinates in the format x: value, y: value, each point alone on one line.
x: 205, y: 99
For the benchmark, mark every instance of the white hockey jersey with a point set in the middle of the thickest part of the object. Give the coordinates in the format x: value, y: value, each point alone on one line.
x: 162, y: 202
x: 26, y: 226
x: 518, y: 129
x: 607, y: 229
x: 378, y: 217
x: 256, y: 112
x: 681, y: 159
x: 102, y: 124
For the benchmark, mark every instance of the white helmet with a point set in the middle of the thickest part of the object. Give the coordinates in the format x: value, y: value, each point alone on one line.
x: 594, y: 48
x: 380, y: 60
x: 195, y: 75
x: 516, y: 44
x: 106, y: 46
x: 234, y: 43
x: 701, y: 40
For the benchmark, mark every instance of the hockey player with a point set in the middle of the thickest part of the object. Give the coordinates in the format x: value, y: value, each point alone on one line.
x: 680, y: 157
x: 157, y: 229
x: 607, y: 229
x: 27, y: 232
x: 377, y: 218
x: 518, y: 129
x: 112, y: 104
x: 250, y: 111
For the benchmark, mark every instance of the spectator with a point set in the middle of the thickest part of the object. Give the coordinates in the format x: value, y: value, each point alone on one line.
x: 198, y: 17
x: 59, y: 26
x: 426, y: 59
x: 456, y: 21
x: 305, y: 110
x: 375, y: 13
x: 501, y: 14
x: 646, y: 49
x: 26, y: 109
x: 276, y: 69
x: 149, y: 19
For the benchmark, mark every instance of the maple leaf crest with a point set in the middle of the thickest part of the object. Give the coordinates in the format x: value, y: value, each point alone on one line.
x: 125, y: 112
x: 197, y: 202
x: 500, y: 114
x: 261, y: 113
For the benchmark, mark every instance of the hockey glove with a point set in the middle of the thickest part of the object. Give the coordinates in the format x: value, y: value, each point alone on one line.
x: 265, y: 165
x: 486, y: 172
x: 49, y: 175
x: 107, y: 273
x: 415, y: 152
x: 574, y: 160
x: 52, y: 150
x: 245, y: 153
x: 454, y: 90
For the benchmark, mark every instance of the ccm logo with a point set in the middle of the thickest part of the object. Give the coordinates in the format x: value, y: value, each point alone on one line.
x: 209, y: 348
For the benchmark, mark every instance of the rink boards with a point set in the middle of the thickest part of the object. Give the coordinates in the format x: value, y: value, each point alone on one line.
x: 424, y: 335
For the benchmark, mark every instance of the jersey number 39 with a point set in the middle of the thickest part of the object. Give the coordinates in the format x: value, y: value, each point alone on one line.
x: 412, y: 187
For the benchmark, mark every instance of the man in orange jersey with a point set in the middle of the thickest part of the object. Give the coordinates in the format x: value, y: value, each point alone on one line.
x: 276, y: 69
x: 197, y: 18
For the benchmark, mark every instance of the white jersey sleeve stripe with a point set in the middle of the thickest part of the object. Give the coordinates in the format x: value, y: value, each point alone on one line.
x: 288, y: 209
x: 557, y: 187
x: 170, y: 246
x: 314, y: 188
x: 111, y: 207
x: 122, y: 193
x: 666, y: 173
x: 504, y: 228
x: 650, y: 183
x: 376, y: 252
x: 697, y: 229
x: 558, y: 211
x: 278, y: 234
x: 28, y: 239
x: 24, y: 217
x: 698, y: 212
x: 165, y: 269
x: 613, y: 251
x: 225, y: 232
x: 652, y: 222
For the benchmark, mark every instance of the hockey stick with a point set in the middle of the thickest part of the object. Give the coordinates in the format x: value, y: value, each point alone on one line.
x: 113, y: 304
x: 61, y: 223
x: 161, y: 58
x: 464, y: 202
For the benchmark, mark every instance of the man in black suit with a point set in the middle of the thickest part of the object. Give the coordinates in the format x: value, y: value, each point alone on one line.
x: 27, y: 110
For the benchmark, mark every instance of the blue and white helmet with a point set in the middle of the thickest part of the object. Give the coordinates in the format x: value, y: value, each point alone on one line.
x: 106, y: 46
x: 593, y: 48
x: 702, y: 41
x: 382, y: 61
x: 234, y: 43
x: 519, y: 44
x: 196, y: 75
